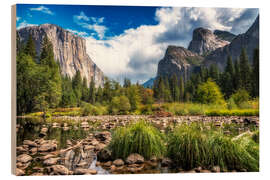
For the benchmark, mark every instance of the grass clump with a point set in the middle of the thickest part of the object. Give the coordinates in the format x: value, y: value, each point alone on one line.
x: 233, y: 112
x: 191, y: 146
x: 140, y: 137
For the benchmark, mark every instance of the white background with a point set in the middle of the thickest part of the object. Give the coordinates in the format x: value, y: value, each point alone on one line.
x: 5, y: 85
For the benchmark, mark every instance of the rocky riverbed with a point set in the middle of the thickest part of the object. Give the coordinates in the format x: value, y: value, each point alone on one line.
x: 77, y: 145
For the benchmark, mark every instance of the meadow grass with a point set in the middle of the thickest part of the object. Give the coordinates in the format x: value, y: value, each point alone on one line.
x: 191, y: 146
x: 139, y: 137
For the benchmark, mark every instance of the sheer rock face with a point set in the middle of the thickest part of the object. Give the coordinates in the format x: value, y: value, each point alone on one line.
x: 179, y: 61
x: 225, y: 35
x: 69, y: 51
x: 248, y: 40
x: 204, y: 41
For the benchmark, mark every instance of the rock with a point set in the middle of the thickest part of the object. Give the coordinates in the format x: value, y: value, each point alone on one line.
x: 47, y: 156
x: 166, y: 162
x: 20, y: 149
x: 103, y: 136
x: 50, y: 161
x: 47, y: 147
x: 100, y: 146
x: 118, y: 162
x: 205, y: 171
x: 33, y: 151
x: 44, y: 131
x: 80, y: 171
x: 198, y: 169
x: 215, y: 169
x: 24, y: 158
x: 37, y: 174
x: 30, y: 143
x: 69, y: 50
x: 19, y: 172
x: 58, y: 170
x: 134, y: 159
x: 205, y: 41
x: 89, y: 147
x: 104, y: 155
x: 134, y: 168
x: 107, y: 164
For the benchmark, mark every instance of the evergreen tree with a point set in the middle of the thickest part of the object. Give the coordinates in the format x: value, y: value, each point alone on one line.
x: 159, y: 89
x: 68, y: 96
x: 77, y: 86
x: 99, y: 95
x: 174, y: 88
x: 245, y: 71
x: 107, y: 91
x: 127, y: 82
x: 181, y: 89
x: 226, y: 81
x: 85, y: 90
x: 214, y: 72
x: 255, y: 73
x: 92, y: 92
x: 236, y: 78
x: 30, y: 48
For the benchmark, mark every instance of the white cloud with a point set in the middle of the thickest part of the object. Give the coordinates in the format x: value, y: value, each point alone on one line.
x: 18, y: 18
x: 91, y: 23
x: 25, y: 24
x: 80, y: 33
x: 136, y: 52
x: 42, y: 9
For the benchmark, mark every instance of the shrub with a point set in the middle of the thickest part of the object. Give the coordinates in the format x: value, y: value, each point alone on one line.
x: 89, y: 109
x: 140, y: 137
x: 190, y: 146
x: 209, y: 93
x: 119, y: 105
x: 240, y: 97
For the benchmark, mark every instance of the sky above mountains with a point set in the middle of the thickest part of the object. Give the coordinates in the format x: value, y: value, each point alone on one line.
x: 129, y: 41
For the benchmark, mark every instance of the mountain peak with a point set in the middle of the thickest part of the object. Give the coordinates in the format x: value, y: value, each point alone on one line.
x: 205, y: 41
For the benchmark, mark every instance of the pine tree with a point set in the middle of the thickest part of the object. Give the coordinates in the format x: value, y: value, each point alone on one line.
x: 255, y: 73
x: 127, y: 82
x: 85, y: 93
x: 30, y: 48
x: 174, y: 88
x: 92, y: 92
x: 236, y: 78
x: 226, y: 80
x: 245, y: 71
x: 214, y: 72
x: 181, y: 89
x: 99, y: 95
x: 77, y: 86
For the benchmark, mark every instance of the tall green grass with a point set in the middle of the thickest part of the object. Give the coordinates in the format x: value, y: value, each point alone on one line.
x: 140, y: 137
x: 191, y: 146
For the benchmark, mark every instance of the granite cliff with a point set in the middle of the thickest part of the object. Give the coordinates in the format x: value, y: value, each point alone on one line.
x: 69, y: 50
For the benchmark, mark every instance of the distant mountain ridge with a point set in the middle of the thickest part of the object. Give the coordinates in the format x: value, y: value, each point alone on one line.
x: 69, y: 50
x: 182, y: 61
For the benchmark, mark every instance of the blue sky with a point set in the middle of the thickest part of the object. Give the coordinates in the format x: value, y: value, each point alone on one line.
x: 129, y: 41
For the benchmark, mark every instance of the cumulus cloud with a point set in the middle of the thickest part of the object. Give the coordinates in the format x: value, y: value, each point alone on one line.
x: 136, y: 52
x: 80, y: 33
x: 91, y: 23
x: 25, y: 24
x: 42, y: 9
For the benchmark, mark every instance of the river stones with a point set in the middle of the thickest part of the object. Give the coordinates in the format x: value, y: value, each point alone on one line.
x: 166, y: 162
x: 30, y: 143
x: 118, y: 162
x: 19, y: 172
x: 134, y: 159
x: 24, y: 158
x: 215, y: 169
x: 104, y: 155
x: 58, y: 170
x: 49, y: 146
x: 50, y: 161
x: 81, y: 171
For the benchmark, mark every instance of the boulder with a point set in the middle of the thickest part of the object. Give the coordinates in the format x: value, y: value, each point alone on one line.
x: 50, y: 161
x: 134, y: 159
x: 81, y: 171
x: 19, y: 172
x: 47, y: 147
x: 30, y: 143
x: 104, y: 155
x: 166, y: 162
x: 58, y: 170
x: 215, y: 169
x: 24, y: 158
x: 118, y: 162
